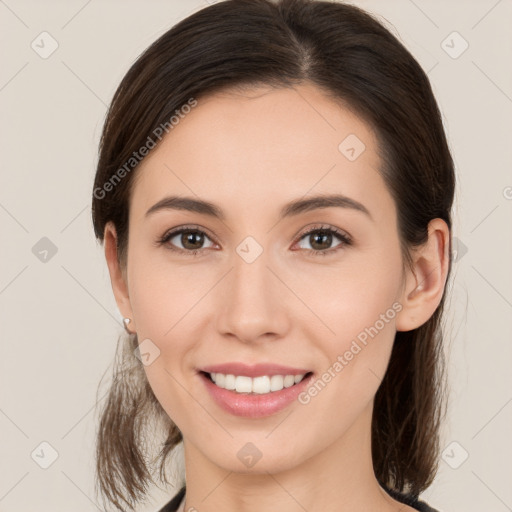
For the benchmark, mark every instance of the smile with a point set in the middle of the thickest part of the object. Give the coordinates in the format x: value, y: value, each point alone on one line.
x: 257, y: 385
x: 254, y: 397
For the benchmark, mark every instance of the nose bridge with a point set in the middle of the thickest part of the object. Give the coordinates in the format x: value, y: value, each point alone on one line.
x: 250, y: 277
x: 252, y: 297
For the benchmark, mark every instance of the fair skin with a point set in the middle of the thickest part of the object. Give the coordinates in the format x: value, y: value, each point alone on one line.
x: 250, y: 154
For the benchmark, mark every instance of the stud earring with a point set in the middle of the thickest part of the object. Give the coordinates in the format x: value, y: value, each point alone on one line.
x: 126, y: 321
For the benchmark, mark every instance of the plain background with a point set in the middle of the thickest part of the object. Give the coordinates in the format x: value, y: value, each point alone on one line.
x: 59, y: 321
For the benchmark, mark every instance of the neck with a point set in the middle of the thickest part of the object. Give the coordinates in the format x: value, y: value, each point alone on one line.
x: 338, y: 476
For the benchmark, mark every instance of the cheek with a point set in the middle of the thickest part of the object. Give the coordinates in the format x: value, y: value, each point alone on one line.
x: 357, y: 306
x: 162, y: 303
x: 356, y: 354
x: 358, y: 312
x: 349, y: 298
x: 158, y: 294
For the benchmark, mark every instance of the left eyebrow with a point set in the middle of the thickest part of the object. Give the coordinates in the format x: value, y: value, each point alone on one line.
x: 323, y: 201
x: 292, y: 208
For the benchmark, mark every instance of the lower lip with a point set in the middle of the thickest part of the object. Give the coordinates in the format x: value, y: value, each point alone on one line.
x: 254, y: 405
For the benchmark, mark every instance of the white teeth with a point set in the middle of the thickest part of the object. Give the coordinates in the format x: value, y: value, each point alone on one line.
x: 259, y: 385
x: 242, y: 384
x: 230, y: 382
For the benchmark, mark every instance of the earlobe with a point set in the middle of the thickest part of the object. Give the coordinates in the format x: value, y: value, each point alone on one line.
x: 117, y: 275
x: 425, y: 283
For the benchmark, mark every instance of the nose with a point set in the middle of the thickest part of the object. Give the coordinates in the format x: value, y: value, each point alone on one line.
x: 253, y: 301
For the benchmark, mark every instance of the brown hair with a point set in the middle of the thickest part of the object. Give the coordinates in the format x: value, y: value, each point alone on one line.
x: 354, y: 59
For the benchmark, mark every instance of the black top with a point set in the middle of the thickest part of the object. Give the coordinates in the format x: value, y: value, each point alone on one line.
x: 412, y: 501
x: 173, y: 505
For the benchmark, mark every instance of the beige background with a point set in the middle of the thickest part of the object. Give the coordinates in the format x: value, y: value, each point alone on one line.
x: 59, y: 321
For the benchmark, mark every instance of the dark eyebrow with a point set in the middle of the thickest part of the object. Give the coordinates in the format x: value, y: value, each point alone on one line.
x: 293, y: 208
x: 323, y: 201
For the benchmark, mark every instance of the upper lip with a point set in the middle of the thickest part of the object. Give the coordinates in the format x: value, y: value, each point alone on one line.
x: 256, y: 370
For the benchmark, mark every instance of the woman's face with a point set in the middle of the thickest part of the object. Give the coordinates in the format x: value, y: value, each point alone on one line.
x: 260, y: 290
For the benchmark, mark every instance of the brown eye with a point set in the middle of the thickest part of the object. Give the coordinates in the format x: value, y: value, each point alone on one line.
x: 321, y: 239
x: 188, y: 240
x: 191, y: 239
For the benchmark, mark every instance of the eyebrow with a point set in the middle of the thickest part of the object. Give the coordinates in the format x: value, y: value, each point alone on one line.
x: 292, y: 208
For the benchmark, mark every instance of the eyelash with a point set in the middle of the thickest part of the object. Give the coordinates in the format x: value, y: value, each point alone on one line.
x: 345, y: 239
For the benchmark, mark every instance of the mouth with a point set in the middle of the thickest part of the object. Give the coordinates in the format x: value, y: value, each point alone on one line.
x: 259, y: 385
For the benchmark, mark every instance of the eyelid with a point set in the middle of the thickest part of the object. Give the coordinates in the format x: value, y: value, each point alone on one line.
x: 171, y: 233
x: 322, y: 227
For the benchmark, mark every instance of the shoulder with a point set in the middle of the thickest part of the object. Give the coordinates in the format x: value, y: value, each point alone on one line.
x: 173, y: 505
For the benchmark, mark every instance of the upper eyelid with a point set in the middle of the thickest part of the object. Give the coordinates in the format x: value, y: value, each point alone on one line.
x: 171, y: 233
x: 336, y: 231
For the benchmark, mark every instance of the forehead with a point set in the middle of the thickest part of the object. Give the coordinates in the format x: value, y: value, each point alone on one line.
x: 261, y: 143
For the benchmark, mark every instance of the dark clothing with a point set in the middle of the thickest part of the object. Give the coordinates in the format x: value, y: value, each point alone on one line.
x: 173, y: 505
x: 412, y: 501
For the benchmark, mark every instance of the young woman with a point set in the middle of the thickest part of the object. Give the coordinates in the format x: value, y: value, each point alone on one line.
x: 274, y: 192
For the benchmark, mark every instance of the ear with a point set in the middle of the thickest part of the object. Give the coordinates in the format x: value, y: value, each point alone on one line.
x: 424, y: 284
x: 117, y: 275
